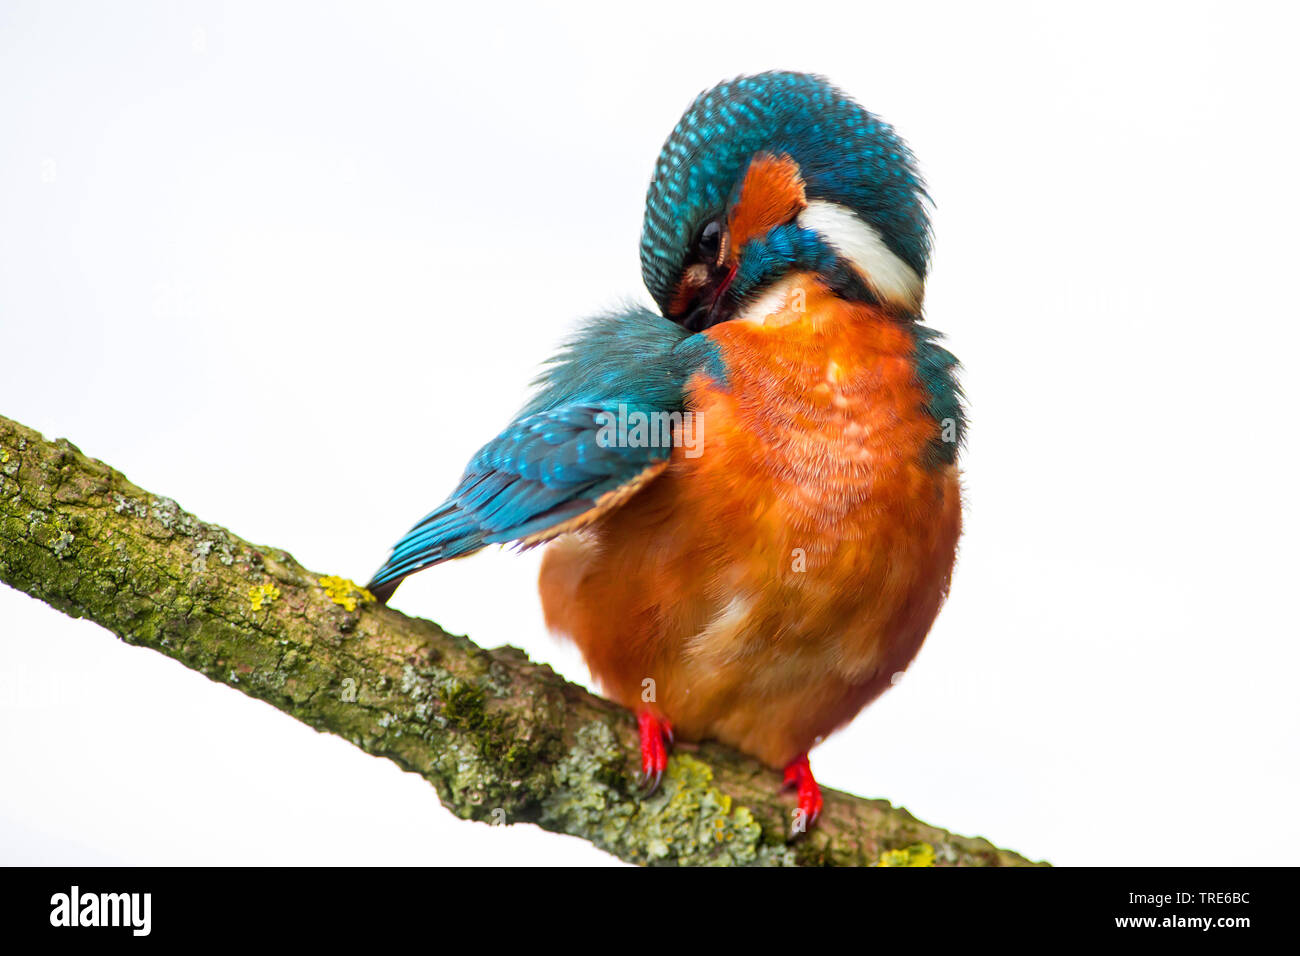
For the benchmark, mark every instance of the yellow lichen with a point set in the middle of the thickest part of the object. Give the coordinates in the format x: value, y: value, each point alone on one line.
x: 918, y: 854
x: 345, y: 592
x: 261, y: 595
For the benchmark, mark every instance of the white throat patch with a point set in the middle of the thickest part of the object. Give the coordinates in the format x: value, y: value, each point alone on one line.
x: 892, y: 279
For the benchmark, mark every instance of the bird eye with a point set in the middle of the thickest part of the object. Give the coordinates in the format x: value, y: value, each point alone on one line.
x: 710, y: 240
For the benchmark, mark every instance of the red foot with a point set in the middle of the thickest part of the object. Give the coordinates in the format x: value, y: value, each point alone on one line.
x: 656, y: 738
x: 799, y: 776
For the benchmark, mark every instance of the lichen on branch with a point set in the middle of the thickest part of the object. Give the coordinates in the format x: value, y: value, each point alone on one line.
x: 503, y: 740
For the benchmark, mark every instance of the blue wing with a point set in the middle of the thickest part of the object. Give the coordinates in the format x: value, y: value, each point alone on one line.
x: 561, y: 456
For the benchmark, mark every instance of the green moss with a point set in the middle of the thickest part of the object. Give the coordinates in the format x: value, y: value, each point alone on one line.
x: 517, y: 759
x: 581, y: 798
x: 61, y: 544
x: 463, y: 705
x: 700, y: 824
x: 688, y: 822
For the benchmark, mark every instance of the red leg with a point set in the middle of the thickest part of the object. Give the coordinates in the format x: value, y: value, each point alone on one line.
x: 656, y: 737
x: 799, y: 776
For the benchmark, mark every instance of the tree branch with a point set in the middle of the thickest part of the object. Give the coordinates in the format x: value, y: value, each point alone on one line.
x: 501, y: 739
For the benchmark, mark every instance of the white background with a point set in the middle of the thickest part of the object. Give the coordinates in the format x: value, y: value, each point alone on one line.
x: 292, y: 264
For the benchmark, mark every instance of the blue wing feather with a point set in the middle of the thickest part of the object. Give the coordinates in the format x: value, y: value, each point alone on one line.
x: 551, y: 464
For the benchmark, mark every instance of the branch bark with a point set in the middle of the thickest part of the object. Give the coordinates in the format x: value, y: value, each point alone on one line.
x: 502, y: 739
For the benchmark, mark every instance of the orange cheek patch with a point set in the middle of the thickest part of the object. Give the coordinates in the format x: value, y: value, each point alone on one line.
x: 771, y: 194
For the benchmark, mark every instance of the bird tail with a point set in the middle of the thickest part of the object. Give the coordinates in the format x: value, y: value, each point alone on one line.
x: 383, y: 592
x: 446, y: 533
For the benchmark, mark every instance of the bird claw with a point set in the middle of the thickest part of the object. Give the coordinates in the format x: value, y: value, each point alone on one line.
x: 648, y: 782
x: 799, y: 777
x: 656, y: 738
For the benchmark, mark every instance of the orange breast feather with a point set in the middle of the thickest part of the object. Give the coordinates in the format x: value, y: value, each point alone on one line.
x: 765, y: 591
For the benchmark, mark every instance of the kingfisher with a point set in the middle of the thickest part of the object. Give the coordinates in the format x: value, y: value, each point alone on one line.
x: 750, y: 495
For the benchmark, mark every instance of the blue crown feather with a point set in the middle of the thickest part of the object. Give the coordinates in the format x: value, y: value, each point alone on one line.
x: 845, y: 154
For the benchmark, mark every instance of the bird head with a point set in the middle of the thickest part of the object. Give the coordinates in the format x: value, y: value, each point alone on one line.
x: 777, y: 173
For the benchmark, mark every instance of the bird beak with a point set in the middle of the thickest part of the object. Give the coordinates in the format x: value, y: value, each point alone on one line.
x: 709, y: 312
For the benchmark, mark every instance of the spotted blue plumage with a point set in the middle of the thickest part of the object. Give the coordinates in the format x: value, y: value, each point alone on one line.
x: 936, y: 369
x: 845, y: 155
x: 783, y: 249
x: 550, y: 465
